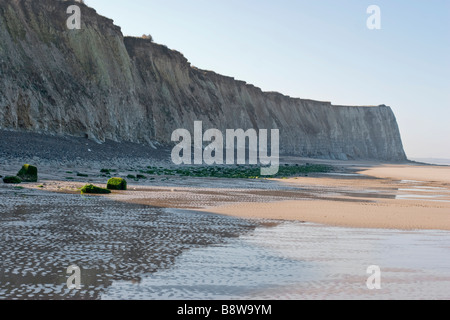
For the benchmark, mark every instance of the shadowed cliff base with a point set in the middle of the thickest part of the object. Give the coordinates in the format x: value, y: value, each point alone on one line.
x: 96, y: 82
x: 58, y: 150
x: 30, y: 146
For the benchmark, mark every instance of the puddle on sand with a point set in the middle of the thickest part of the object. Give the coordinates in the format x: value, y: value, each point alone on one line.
x: 340, y: 174
x: 304, y: 261
x: 424, y: 189
x: 410, y: 192
x: 369, y: 194
x: 420, y: 192
x: 41, y: 237
x: 410, y: 181
x: 419, y: 196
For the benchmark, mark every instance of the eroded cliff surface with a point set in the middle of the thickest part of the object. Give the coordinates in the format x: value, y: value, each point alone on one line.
x: 94, y: 82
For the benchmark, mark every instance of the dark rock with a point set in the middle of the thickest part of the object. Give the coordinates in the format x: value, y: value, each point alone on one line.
x: 12, y: 180
x: 28, y: 173
x: 117, y: 184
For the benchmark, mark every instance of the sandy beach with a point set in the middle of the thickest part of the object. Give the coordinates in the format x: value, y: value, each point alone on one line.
x: 428, y: 174
x: 310, y: 237
x: 406, y: 197
x: 363, y: 194
x: 403, y: 197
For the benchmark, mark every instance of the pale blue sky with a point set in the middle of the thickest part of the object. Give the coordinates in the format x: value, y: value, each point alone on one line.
x: 316, y: 49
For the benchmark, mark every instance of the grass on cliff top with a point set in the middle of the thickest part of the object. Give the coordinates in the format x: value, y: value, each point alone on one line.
x: 239, y: 172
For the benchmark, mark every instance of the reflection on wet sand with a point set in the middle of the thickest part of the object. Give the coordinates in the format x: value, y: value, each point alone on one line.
x: 295, y: 260
x: 42, y: 235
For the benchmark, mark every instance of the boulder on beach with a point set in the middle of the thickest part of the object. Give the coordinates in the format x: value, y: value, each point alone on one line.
x: 94, y: 190
x: 117, y: 184
x: 28, y: 173
x: 12, y: 180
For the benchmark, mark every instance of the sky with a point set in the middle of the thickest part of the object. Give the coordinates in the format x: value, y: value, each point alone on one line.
x: 316, y: 49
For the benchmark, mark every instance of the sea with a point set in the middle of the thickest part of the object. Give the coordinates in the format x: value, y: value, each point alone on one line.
x: 435, y: 161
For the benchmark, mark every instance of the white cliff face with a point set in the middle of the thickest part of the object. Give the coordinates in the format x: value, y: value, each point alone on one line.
x: 94, y: 82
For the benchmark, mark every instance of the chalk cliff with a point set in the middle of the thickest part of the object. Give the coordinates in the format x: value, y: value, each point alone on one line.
x: 97, y: 83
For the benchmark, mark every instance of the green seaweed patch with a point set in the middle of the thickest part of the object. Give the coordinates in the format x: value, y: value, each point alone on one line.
x: 239, y: 172
x: 117, y: 184
x: 107, y: 171
x: 82, y: 175
x: 91, y: 189
x: 12, y: 180
x: 28, y: 173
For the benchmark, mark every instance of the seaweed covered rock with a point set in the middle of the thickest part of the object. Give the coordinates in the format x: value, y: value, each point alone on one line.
x: 89, y: 188
x: 28, y: 173
x: 12, y: 180
x: 117, y: 184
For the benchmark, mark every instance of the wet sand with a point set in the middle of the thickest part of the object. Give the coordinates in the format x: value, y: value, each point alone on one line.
x: 43, y: 233
x: 382, y: 196
x: 159, y: 240
x: 296, y: 261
